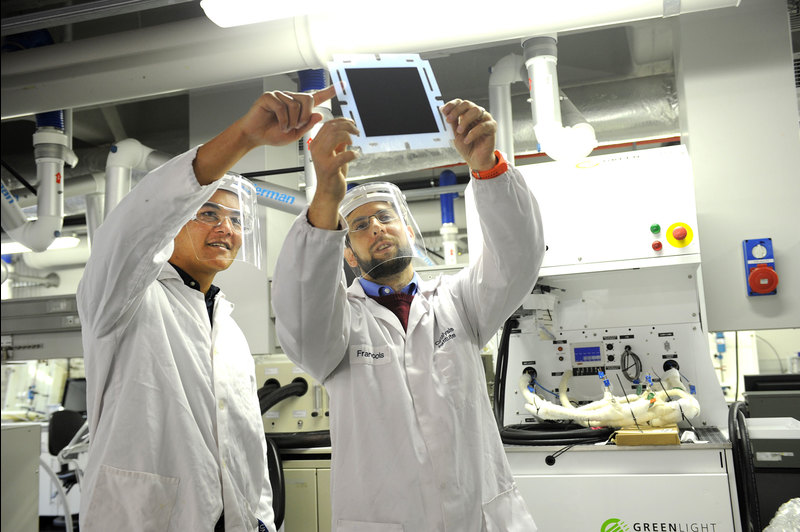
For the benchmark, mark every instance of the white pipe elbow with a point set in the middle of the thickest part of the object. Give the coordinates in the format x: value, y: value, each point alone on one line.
x: 128, y: 153
x: 507, y: 70
x: 38, y: 234
x: 559, y: 142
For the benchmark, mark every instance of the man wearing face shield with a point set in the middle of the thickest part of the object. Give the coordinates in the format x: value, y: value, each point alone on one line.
x: 176, y: 435
x: 414, y: 442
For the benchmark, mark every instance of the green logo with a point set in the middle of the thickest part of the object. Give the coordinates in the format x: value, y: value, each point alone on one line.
x: 614, y: 525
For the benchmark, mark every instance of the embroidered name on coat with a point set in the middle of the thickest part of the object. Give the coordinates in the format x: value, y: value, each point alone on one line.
x: 445, y: 337
x: 370, y: 355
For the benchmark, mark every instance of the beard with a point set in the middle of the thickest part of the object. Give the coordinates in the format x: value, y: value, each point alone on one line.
x: 380, y: 268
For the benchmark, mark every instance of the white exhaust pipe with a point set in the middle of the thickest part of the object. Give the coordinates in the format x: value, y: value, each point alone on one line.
x: 51, y: 152
x: 196, y: 53
x: 560, y: 143
x: 127, y: 155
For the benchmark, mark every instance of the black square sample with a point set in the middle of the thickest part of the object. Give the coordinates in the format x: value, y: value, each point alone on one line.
x: 391, y: 101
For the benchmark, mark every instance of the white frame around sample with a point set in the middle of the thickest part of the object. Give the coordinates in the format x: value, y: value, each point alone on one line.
x: 388, y: 143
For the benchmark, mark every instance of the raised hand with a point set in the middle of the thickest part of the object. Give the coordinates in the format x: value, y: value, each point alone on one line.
x: 475, y: 132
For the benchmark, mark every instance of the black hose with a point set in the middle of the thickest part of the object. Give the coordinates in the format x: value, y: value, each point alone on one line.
x: 297, y: 387
x: 301, y: 440
x: 501, y: 369
x: 553, y: 434
x: 277, y: 481
x: 534, y: 433
x: 744, y: 470
x: 270, y: 385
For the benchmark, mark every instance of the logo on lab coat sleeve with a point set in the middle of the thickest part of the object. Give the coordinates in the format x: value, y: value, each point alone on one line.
x: 370, y: 355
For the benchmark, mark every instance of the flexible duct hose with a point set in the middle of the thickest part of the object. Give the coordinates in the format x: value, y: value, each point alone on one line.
x: 277, y: 481
x: 297, y: 387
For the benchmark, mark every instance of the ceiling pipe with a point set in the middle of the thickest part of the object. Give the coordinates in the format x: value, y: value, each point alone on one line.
x: 311, y: 80
x: 82, y: 12
x: 124, y: 157
x: 51, y: 151
x: 196, y: 53
x: 281, y: 198
x: 560, y: 143
x: 506, y: 71
x: 51, y: 280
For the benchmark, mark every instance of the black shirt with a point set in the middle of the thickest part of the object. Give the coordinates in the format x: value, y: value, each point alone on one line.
x: 209, y: 296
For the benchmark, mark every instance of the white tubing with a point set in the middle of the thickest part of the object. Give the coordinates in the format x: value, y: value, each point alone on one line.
x: 653, y: 409
x: 61, y: 493
x: 196, y: 53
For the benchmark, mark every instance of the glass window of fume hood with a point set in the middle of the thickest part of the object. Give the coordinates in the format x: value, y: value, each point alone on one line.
x: 739, y: 353
x: 33, y: 389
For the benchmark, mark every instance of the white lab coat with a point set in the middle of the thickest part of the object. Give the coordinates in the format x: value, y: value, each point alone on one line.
x: 174, y: 420
x: 415, y: 446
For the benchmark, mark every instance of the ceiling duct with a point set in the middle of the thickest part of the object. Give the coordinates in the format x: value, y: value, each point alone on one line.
x: 196, y: 53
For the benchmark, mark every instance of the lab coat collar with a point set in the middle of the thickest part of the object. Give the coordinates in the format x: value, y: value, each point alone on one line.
x: 379, y: 311
x: 419, y: 306
x: 222, y: 304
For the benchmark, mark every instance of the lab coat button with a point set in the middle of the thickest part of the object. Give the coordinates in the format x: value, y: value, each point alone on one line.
x: 222, y: 404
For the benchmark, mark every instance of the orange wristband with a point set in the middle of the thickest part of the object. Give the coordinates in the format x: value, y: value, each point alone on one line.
x: 499, y: 169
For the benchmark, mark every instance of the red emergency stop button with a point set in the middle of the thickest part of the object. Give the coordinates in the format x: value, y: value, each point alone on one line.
x: 657, y: 245
x: 763, y: 279
x: 679, y: 233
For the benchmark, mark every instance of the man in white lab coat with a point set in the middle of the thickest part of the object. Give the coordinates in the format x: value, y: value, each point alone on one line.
x: 176, y: 436
x: 415, y: 446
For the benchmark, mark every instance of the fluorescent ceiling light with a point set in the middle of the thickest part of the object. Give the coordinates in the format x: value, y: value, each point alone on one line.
x: 229, y: 13
x: 62, y: 242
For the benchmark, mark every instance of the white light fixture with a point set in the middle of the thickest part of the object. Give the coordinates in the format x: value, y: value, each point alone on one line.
x: 62, y: 242
x: 229, y: 13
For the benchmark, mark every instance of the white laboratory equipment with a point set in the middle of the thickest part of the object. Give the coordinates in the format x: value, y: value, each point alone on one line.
x: 617, y: 306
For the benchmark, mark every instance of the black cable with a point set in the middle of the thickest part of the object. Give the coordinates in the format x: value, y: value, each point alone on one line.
x: 277, y: 481
x: 744, y: 470
x: 661, y: 383
x: 501, y: 368
x: 736, y: 335
x: 277, y: 171
x: 432, y: 252
x: 637, y: 364
x: 18, y: 177
x: 622, y: 388
x: 550, y: 459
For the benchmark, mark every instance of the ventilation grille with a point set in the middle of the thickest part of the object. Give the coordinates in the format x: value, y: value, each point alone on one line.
x: 794, y: 15
x: 797, y: 70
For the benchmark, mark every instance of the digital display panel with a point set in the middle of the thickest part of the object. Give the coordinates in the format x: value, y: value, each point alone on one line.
x: 587, y: 354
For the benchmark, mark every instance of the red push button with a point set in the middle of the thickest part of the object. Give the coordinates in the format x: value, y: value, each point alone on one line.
x: 657, y: 245
x: 679, y: 233
x: 763, y: 279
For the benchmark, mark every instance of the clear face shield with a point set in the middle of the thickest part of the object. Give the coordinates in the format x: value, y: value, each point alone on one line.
x: 226, y: 228
x: 382, y: 236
